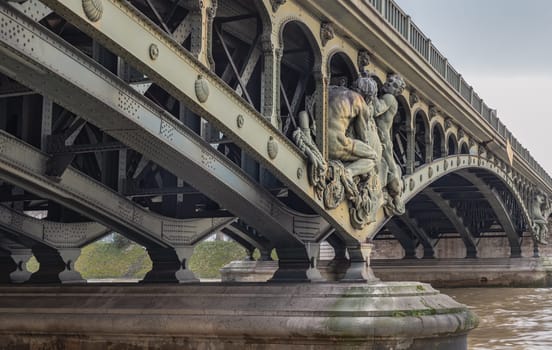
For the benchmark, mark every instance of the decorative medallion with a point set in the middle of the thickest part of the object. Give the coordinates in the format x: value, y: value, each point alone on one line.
x: 445, y: 165
x: 299, y: 173
x: 153, y: 51
x: 412, y: 183
x: 413, y: 99
x: 429, y: 172
x: 240, y: 121
x: 93, y: 9
x: 276, y: 4
x: 327, y: 32
x: 202, y: 89
x: 363, y: 59
x: 272, y: 148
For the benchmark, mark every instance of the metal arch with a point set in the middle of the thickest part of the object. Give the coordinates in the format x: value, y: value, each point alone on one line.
x: 221, y: 108
x: 427, y: 242
x: 53, y: 234
x: 456, y: 220
x: 24, y: 166
x: 156, y: 135
x: 429, y: 173
x: 500, y: 211
x: 235, y: 230
x: 406, y: 242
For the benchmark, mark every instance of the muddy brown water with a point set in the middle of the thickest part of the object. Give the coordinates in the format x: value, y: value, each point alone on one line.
x: 509, y: 318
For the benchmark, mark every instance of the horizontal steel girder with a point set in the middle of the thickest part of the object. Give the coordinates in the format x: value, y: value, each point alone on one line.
x: 51, y: 67
x: 176, y: 70
x: 25, y: 166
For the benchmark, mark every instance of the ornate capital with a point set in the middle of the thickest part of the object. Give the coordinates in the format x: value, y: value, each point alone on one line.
x: 276, y: 4
x: 327, y: 32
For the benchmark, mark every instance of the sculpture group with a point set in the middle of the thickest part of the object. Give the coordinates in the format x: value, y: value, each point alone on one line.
x: 540, y: 211
x: 361, y: 168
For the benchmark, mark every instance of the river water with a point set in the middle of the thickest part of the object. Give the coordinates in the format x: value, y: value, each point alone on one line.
x: 509, y: 318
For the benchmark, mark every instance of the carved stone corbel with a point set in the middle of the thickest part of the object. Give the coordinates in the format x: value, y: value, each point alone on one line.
x: 413, y: 99
x: 448, y: 123
x: 327, y: 32
x: 433, y: 111
x: 363, y: 59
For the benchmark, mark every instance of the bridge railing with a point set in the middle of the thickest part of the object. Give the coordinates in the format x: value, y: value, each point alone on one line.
x: 399, y: 20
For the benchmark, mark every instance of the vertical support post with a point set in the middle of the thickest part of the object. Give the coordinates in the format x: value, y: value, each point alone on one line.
x: 170, y: 265
x: 359, y: 270
x: 20, y: 257
x: 202, y: 14
x: 313, y: 252
x: 410, y: 149
x: 46, y: 126
x: 56, y: 265
x: 295, y: 264
x: 270, y: 81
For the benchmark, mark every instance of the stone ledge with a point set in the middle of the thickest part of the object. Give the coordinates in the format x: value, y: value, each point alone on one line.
x: 225, y: 316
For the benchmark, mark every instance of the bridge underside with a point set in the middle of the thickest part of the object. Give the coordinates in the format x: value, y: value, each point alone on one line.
x: 99, y: 133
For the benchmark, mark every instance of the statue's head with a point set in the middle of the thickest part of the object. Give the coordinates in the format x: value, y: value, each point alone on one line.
x: 540, y: 197
x: 394, y: 85
x: 367, y: 87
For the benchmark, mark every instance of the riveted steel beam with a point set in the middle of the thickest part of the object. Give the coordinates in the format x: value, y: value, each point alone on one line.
x: 24, y: 166
x: 223, y: 105
x: 84, y: 87
x: 53, y: 234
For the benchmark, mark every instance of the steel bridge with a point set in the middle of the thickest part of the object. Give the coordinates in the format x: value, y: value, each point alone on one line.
x: 169, y: 120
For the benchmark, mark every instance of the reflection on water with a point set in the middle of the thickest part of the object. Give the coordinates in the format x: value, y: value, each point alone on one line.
x: 509, y: 318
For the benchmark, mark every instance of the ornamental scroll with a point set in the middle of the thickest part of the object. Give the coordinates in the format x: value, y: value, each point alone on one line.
x: 361, y: 168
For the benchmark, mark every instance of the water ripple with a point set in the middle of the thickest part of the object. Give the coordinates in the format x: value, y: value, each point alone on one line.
x: 510, y: 318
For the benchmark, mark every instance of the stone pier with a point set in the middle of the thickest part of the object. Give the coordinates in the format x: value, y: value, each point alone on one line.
x: 397, y: 315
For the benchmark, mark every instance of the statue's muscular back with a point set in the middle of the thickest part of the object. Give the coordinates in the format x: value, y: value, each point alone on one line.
x: 347, y: 108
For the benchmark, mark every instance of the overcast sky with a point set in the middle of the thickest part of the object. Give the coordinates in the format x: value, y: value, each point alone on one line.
x: 503, y: 49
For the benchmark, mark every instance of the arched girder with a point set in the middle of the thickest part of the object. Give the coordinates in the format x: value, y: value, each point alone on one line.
x: 412, y: 224
x: 141, y: 125
x: 53, y: 234
x: 457, y: 221
x: 498, y: 207
x: 429, y: 173
x: 24, y: 166
x: 404, y: 238
x: 240, y: 233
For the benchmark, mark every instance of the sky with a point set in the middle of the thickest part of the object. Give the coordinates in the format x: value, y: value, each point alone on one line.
x: 503, y: 49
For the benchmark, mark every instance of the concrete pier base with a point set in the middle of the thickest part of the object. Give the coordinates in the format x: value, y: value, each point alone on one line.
x: 396, y: 315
